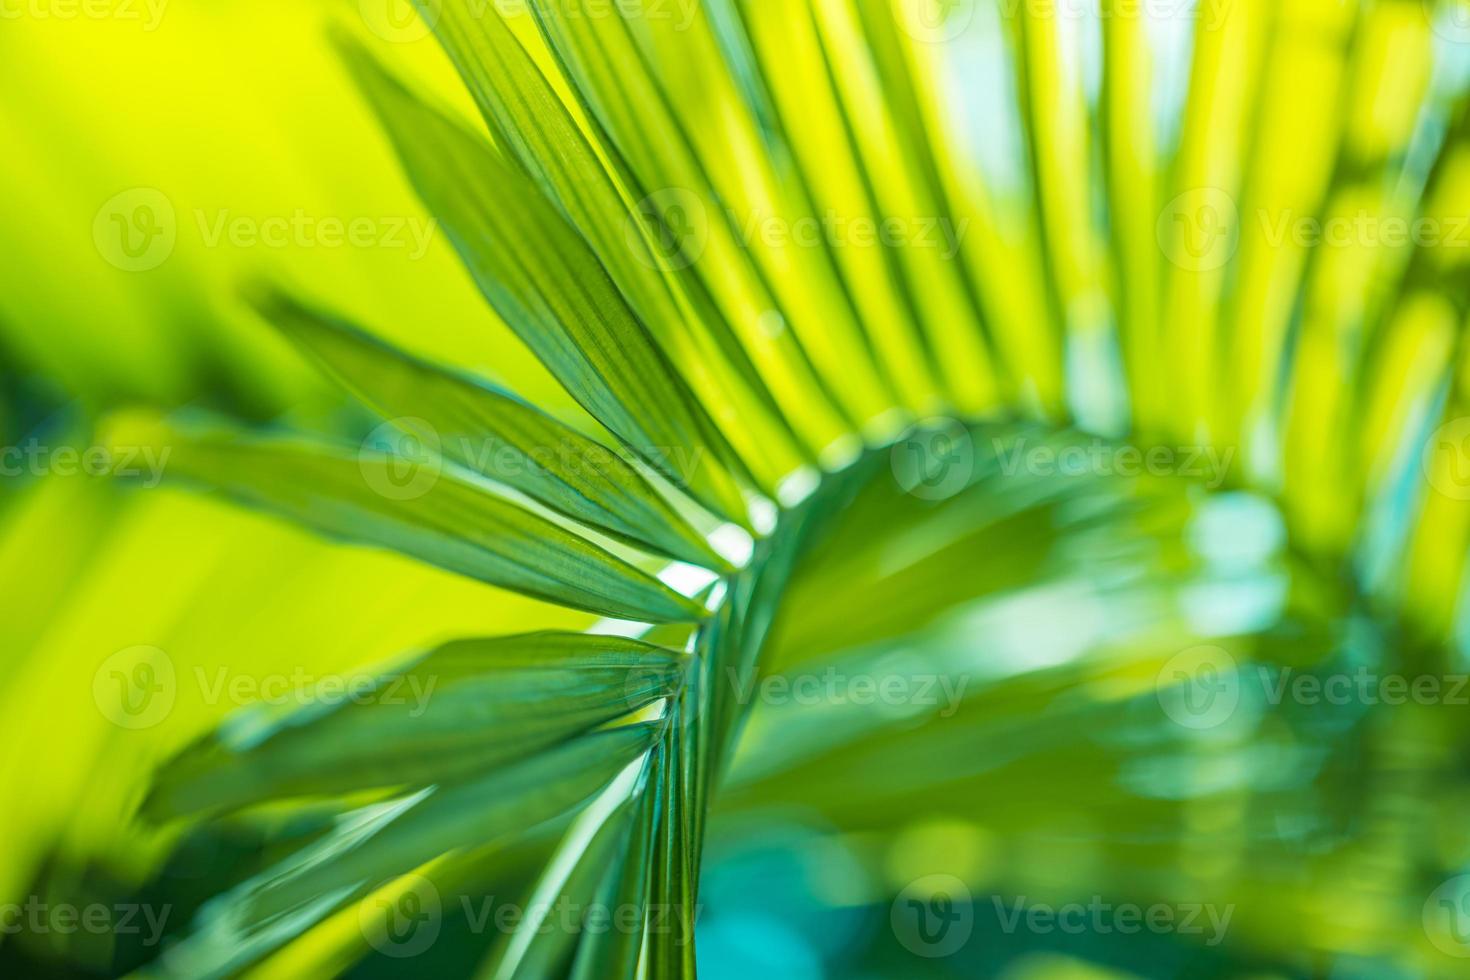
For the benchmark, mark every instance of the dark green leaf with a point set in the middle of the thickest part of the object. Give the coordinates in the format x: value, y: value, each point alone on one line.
x: 436, y: 517
x: 544, y: 281
x: 460, y: 710
x: 496, y: 434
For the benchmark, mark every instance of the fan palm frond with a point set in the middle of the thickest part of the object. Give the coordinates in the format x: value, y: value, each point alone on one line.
x: 845, y: 288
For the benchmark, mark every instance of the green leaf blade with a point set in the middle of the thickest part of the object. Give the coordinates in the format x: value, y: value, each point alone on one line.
x: 545, y: 282
x: 459, y: 710
x: 435, y: 517
x: 497, y: 435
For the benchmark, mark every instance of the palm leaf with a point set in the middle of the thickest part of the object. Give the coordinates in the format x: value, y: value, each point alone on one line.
x: 476, y: 426
x: 468, y: 706
x: 523, y: 254
x: 451, y: 522
x: 784, y: 376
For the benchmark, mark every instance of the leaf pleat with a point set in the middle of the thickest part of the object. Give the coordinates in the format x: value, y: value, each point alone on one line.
x: 498, y: 435
x: 446, y: 521
x: 598, y: 196
x: 547, y: 285
x: 387, y: 841
x: 461, y: 709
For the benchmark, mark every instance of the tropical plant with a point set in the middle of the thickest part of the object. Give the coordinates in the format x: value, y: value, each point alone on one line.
x: 970, y: 345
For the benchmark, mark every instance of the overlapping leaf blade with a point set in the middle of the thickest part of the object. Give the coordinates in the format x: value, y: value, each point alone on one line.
x: 442, y: 520
x: 595, y: 191
x: 498, y: 435
x: 388, y: 841
x: 570, y: 898
x: 461, y: 709
x: 671, y: 885
x: 616, y: 952
x: 608, y: 68
x: 544, y: 281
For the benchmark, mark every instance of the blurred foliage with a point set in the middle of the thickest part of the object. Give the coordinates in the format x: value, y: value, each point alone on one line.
x: 1130, y: 272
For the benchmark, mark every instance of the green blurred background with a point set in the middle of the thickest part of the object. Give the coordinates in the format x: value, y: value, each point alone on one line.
x: 1328, y: 832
